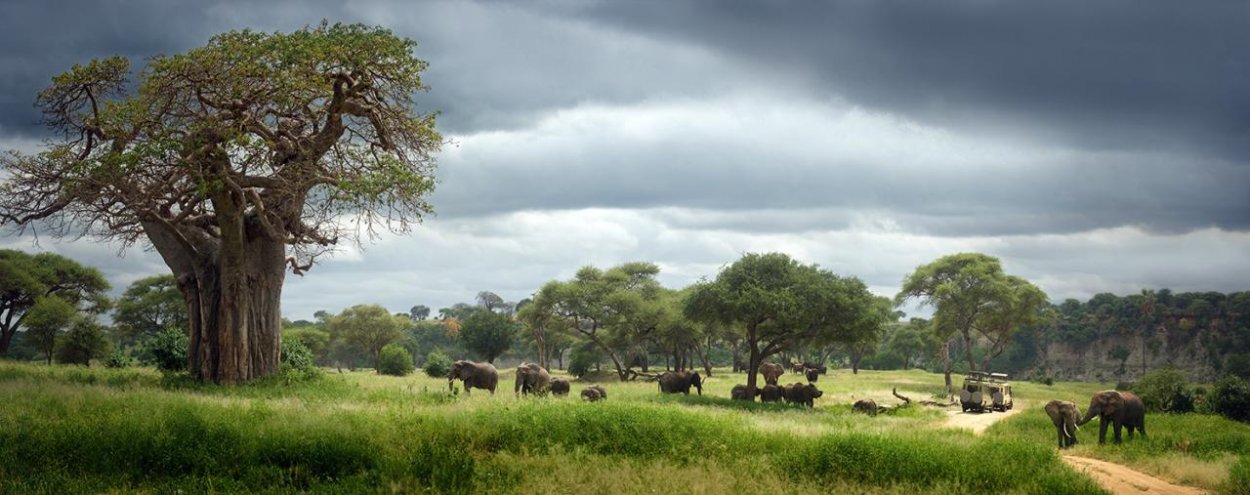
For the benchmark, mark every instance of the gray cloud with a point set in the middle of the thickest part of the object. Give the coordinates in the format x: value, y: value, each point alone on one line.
x: 1093, y: 146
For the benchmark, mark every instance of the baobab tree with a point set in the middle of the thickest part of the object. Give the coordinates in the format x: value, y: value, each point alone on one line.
x: 235, y: 160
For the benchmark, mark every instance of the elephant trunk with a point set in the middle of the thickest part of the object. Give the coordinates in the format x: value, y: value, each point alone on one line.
x: 1089, y: 414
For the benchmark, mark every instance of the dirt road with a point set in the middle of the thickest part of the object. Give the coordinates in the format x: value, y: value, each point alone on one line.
x: 977, y: 422
x: 1114, y: 477
x: 1119, y: 479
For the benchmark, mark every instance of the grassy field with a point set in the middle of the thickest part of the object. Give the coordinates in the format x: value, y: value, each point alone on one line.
x: 65, y: 429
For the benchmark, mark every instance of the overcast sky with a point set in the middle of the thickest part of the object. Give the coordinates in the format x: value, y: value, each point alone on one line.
x: 1091, y: 146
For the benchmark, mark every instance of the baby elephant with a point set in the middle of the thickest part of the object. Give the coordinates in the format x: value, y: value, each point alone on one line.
x: 559, y: 387
x: 799, y: 393
x: 866, y: 406
x: 594, y: 393
x: 771, y: 393
x: 739, y: 392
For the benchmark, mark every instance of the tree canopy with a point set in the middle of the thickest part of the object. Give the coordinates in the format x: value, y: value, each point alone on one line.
x: 777, y: 303
x: 27, y: 278
x: 972, y: 297
x: 149, y: 306
x: 234, y: 160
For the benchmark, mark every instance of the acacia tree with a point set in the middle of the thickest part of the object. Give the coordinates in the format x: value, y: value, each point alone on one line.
x: 27, y: 278
x: 368, y: 328
x: 604, y: 306
x: 234, y: 160
x: 488, y: 334
x: 150, y: 305
x: 972, y: 296
x: 777, y: 304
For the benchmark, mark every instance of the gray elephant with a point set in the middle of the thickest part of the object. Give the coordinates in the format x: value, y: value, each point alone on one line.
x: 739, y: 392
x: 866, y: 406
x: 672, y: 382
x: 474, y: 375
x: 532, y: 379
x: 771, y: 393
x: 801, y: 394
x: 559, y: 387
x: 594, y: 393
x: 1064, y: 415
x: 1121, y: 409
x: 771, y: 372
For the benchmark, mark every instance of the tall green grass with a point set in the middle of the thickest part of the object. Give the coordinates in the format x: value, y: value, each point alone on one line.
x: 63, y: 433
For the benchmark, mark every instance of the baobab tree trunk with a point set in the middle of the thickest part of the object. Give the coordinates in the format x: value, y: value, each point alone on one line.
x: 233, y: 289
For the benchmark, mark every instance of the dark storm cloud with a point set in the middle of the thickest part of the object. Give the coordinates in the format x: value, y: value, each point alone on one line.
x: 1124, y: 74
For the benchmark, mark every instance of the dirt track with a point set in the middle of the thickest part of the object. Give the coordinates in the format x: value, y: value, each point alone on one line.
x: 1119, y: 479
x: 977, y: 422
x: 1114, y: 477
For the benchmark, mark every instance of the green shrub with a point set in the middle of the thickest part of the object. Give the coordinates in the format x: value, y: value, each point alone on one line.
x: 580, y: 363
x: 437, y: 364
x: 297, y: 362
x: 1165, y: 390
x: 84, y: 341
x: 168, y: 350
x: 1231, y: 398
x: 1125, y: 386
x: 1239, y: 477
x: 119, y: 359
x: 394, y: 360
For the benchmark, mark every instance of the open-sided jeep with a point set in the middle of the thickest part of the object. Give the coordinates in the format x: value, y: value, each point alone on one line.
x: 985, y: 392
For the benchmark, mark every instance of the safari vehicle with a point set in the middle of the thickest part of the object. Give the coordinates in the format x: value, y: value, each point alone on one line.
x: 985, y: 392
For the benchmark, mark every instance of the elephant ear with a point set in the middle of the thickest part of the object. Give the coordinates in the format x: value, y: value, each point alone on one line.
x: 1113, y: 403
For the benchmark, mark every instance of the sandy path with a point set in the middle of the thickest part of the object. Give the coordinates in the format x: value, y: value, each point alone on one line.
x: 1119, y: 479
x: 977, y: 422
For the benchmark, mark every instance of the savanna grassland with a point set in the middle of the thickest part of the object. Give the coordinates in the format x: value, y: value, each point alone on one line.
x: 69, y: 429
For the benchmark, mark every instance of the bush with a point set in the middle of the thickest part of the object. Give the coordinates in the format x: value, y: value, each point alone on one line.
x: 1125, y: 386
x: 297, y: 355
x: 297, y: 362
x: 1239, y: 477
x: 580, y: 362
x: 1238, y: 364
x: 437, y: 364
x: 168, y: 350
x: 1231, y: 398
x: 84, y: 341
x: 119, y: 359
x: 395, y: 360
x: 1165, y: 390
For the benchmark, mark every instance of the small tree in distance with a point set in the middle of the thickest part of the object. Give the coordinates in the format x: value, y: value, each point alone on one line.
x: 368, y: 327
x: 488, y: 334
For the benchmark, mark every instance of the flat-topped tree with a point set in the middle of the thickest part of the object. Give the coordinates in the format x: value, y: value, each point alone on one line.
x: 234, y: 160
x: 776, y: 304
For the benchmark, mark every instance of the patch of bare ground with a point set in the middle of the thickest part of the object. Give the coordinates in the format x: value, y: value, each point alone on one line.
x: 1121, y: 480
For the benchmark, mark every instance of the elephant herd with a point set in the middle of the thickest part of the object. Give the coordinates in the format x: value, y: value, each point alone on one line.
x: 1112, y: 407
x: 530, y: 379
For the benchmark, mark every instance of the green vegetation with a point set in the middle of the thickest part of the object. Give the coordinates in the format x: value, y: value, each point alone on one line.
x: 91, y: 430
x: 437, y: 364
x: 394, y: 360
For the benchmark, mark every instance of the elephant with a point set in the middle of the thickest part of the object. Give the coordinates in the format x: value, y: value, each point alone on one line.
x: 559, y: 387
x: 1064, y: 415
x: 801, y: 394
x: 474, y: 375
x: 672, y: 382
x: 532, y: 379
x: 1121, y: 409
x: 866, y: 406
x: 594, y: 393
x: 771, y: 372
x: 739, y: 392
x: 771, y: 393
